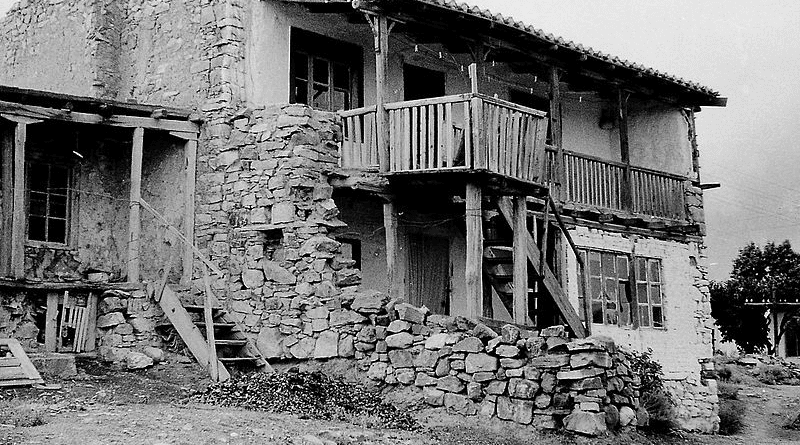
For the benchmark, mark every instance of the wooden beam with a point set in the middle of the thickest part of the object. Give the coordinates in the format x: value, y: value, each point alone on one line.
x: 7, y: 174
x: 380, y: 30
x: 546, y: 275
x: 208, y: 316
x: 190, y: 154
x: 91, y: 309
x: 627, y: 184
x: 520, y: 260
x: 114, y: 120
x: 18, y: 219
x: 474, y: 266
x: 134, y: 215
x: 51, y: 322
x: 396, y: 289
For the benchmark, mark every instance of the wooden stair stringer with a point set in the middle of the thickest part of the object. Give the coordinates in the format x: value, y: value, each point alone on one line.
x: 189, y: 332
x: 237, y: 333
x: 543, y: 270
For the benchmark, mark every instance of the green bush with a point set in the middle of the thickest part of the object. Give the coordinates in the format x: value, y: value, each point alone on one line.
x: 731, y: 416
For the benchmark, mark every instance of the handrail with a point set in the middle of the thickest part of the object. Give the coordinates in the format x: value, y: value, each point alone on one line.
x: 596, y: 158
x: 512, y: 105
x: 357, y: 111
x: 429, y: 101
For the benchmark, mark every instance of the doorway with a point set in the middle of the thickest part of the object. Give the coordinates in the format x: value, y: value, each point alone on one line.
x: 429, y: 272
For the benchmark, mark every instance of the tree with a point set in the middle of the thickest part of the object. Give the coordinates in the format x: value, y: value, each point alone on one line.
x: 770, y: 276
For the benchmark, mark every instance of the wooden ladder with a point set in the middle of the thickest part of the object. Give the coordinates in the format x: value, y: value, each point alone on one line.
x: 499, y: 270
x: 230, y: 344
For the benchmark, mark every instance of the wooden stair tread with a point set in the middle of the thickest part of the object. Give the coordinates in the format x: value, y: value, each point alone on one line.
x: 217, y: 324
x: 239, y: 359
x: 200, y: 308
x: 230, y: 342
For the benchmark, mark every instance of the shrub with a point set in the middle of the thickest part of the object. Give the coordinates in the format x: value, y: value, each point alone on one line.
x: 731, y: 416
x: 724, y: 373
x: 654, y: 397
x: 773, y: 374
x: 727, y: 391
x: 20, y: 416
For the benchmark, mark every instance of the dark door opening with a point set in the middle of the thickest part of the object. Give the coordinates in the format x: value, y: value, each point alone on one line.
x: 422, y: 83
x: 429, y: 272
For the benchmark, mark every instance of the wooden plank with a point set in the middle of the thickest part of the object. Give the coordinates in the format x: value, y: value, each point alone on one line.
x: 520, y: 228
x: 9, y: 362
x: 80, y: 330
x: 13, y: 373
x: 42, y: 113
x: 423, y: 137
x: 406, y: 144
x: 190, y: 334
x: 208, y: 317
x: 555, y: 125
x: 18, y: 222
x: 134, y: 214
x: 448, y: 133
x: 91, y: 325
x: 468, y: 156
x: 431, y: 136
x: 429, y: 101
x: 622, y: 107
x: 546, y: 275
x: 440, y: 136
x: 51, y: 322
x: 474, y: 260
x: 62, y: 322
x: 358, y: 111
x: 380, y: 30
x: 190, y: 157
x: 7, y: 137
x: 415, y: 138
x: 16, y: 350
x: 390, y: 229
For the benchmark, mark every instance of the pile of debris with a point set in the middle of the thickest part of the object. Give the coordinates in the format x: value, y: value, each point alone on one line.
x: 306, y: 394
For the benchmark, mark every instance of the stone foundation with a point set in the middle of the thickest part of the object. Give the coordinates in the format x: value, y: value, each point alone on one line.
x: 126, y: 327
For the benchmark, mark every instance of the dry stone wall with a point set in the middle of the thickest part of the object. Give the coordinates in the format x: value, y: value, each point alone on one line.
x: 126, y: 328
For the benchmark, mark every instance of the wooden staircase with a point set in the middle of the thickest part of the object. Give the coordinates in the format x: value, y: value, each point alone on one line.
x: 498, y: 266
x: 231, y: 345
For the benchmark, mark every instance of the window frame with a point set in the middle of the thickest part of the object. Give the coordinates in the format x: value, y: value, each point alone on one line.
x: 336, y: 53
x: 629, y: 281
x: 71, y: 173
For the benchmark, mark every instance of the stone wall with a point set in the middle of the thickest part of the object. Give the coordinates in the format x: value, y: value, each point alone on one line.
x: 18, y: 317
x: 126, y: 328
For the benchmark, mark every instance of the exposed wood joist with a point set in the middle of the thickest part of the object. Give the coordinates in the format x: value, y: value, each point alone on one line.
x: 115, y: 120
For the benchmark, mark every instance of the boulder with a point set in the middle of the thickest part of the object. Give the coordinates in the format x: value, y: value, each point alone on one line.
x: 612, y: 417
x: 110, y: 320
x: 436, y: 341
x: 274, y: 272
x: 154, y: 353
x: 367, y: 303
x: 137, y: 360
x: 318, y: 313
x: 510, y: 334
x: 111, y: 304
x: 398, y: 326
x: 303, y: 348
x: 450, y: 384
x: 586, y: 423
x: 327, y: 345
x: 269, y: 343
x: 410, y: 313
x: 377, y: 370
x: 253, y: 278
x: 460, y: 404
x: 401, y: 358
x: 433, y: 397
x: 507, y: 351
x: 346, y: 346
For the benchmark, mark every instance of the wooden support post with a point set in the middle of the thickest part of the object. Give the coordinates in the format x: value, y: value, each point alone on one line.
x: 474, y: 267
x: 555, y: 131
x: 91, y: 328
x: 51, y: 322
x: 627, y: 184
x: 479, y: 157
x: 380, y: 31
x: 190, y: 151
x: 7, y: 146
x: 520, y: 255
x: 690, y: 118
x: 134, y: 217
x: 18, y: 218
x: 392, y: 270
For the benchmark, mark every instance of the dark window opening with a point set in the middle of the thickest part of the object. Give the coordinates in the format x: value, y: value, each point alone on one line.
x: 351, y: 250
x: 49, y: 203
x: 529, y: 100
x: 325, y: 73
x: 422, y: 83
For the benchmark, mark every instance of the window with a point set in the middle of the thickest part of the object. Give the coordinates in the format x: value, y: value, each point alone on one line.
x: 48, y: 202
x: 648, y: 292
x: 325, y: 73
x: 608, y: 283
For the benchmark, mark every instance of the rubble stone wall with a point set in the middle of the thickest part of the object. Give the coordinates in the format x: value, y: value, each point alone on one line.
x: 18, y: 315
x: 126, y: 326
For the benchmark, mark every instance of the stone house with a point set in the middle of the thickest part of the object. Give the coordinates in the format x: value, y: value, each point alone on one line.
x: 312, y: 150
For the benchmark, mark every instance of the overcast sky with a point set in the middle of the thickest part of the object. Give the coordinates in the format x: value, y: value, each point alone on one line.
x: 750, y: 52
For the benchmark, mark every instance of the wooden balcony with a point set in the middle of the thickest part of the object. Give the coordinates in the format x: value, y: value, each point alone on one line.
x: 593, y: 182
x: 465, y: 132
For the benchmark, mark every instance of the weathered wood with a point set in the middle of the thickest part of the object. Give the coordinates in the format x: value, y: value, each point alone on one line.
x: 627, y: 183
x: 18, y: 222
x: 380, y: 30
x: 190, y: 334
x: 546, y: 275
x: 190, y: 157
x: 91, y: 326
x: 208, y: 316
x: 28, y: 374
x: 520, y: 228
x: 474, y: 260
x: 555, y: 128
x: 7, y: 138
x: 428, y: 101
x: 134, y: 215
x: 390, y: 229
x: 51, y: 322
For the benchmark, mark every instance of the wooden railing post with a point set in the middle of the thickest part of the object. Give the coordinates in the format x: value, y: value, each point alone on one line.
x: 520, y: 257
x: 380, y: 31
x: 555, y: 131
x: 476, y: 119
x: 18, y: 219
x: 134, y: 215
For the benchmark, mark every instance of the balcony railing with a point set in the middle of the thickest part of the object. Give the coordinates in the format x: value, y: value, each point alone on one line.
x: 460, y: 132
x: 595, y: 182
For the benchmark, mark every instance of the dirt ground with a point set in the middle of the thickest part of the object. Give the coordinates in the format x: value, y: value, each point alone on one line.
x: 102, y: 406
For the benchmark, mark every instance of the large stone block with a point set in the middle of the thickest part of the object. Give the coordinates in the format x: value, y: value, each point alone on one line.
x: 274, y: 272
x: 450, y: 384
x: 327, y: 345
x: 269, y: 343
x: 523, y: 411
x: 460, y: 404
x: 110, y: 320
x: 589, y: 424
x: 410, y: 313
x: 469, y: 344
x: 303, y: 348
x: 401, y: 358
x: 592, y: 358
x: 480, y: 363
x: 400, y: 340
x: 550, y: 361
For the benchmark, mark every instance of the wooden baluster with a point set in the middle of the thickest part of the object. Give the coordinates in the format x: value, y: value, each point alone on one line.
x: 448, y: 131
x: 415, y: 138
x: 407, y: 138
x: 423, y: 137
x: 431, y: 136
x: 468, y: 159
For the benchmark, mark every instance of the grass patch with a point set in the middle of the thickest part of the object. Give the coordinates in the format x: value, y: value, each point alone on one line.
x: 727, y: 391
x: 20, y: 416
x: 731, y: 416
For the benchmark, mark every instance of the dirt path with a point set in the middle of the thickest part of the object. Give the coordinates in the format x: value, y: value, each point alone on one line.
x: 102, y: 407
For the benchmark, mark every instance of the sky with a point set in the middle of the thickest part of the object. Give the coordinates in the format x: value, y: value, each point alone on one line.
x: 750, y: 53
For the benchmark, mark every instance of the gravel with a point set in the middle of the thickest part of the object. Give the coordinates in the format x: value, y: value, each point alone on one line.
x: 306, y: 394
